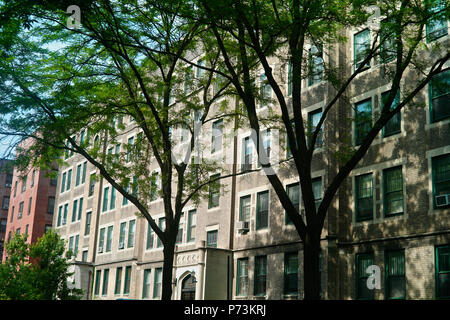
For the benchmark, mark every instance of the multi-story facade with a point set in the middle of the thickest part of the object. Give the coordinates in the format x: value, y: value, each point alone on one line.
x: 6, y: 175
x: 31, y: 203
x: 392, y: 213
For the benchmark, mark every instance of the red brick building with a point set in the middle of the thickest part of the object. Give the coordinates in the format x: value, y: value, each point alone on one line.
x: 6, y: 175
x: 31, y: 204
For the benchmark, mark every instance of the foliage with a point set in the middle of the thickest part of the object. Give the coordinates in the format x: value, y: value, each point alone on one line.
x: 37, y: 271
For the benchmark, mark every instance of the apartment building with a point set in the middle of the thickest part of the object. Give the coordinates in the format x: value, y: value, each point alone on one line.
x: 31, y: 202
x: 392, y: 213
x: 6, y: 175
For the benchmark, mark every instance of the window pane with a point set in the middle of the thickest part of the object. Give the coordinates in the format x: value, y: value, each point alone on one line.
x: 363, y: 261
x: 394, y: 124
x: 245, y: 206
x: 364, y: 197
x: 440, y: 96
x: 393, y: 191
x: 262, y: 214
x: 361, y: 47
x: 363, y: 120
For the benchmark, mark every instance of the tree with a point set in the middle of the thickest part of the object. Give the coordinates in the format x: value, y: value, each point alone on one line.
x: 127, y: 60
x: 250, y: 34
x: 37, y: 271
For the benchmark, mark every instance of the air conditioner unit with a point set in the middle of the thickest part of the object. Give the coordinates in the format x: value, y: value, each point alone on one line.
x: 242, y: 226
x: 442, y: 200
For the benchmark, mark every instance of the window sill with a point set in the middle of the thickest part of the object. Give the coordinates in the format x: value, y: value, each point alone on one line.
x: 437, y: 124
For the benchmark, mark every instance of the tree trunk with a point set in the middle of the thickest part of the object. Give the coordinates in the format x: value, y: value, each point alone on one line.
x: 311, y: 272
x: 168, y: 252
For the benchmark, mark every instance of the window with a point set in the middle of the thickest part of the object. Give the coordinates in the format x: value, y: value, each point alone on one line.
x: 265, y: 91
x: 364, y: 197
x: 59, y: 216
x: 124, y: 199
x: 211, y: 239
x: 105, y: 282
x: 157, y: 283
x: 101, y: 240
x: 216, y: 138
x: 361, y: 48
x: 83, y: 176
x: 154, y: 186
x: 87, y: 227
x: 3, y: 223
x: 112, y: 204
x: 74, y: 210
x: 105, y: 199
x: 84, y: 256
x: 192, y: 221
x: 97, y: 282
x: 91, y: 185
x: 317, y: 191
x: 109, y: 237
x: 439, y: 92
x: 19, y: 214
x: 293, y: 192
x: 80, y: 208
x: 66, y: 211
x: 118, y: 285
x: 69, y: 179
x: 15, y: 188
x: 146, y: 284
x: 214, y: 192
x: 129, y: 148
x: 242, y: 277
x: 260, y: 275
x: 180, y: 229
x: 54, y: 177
x: 8, y: 181
x: 51, y: 205
x: 126, y: 284
x: 315, y: 65
x: 5, y: 205
x: 24, y: 184
x: 363, y: 261
x: 134, y: 187
x: 393, y: 126
x: 443, y: 271
x: 395, y: 274
x: 150, y: 237
x: 289, y: 78
x: 162, y: 226
x: 246, y: 154
x: 123, y: 227
x: 265, y: 138
x: 262, y: 210
x: 188, y: 79
x: 388, y: 50
x: 78, y: 178
x: 288, y: 145
x: 363, y: 120
x: 244, y: 208
x: 437, y: 25
x: 313, y: 121
x: 200, y: 71
x: 291, y: 273
x: 131, y: 231
x: 393, y: 191
x: 441, y: 181
x: 33, y: 177
x: 63, y: 182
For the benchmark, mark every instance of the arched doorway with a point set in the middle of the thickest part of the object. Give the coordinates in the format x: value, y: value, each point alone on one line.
x: 188, y: 287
